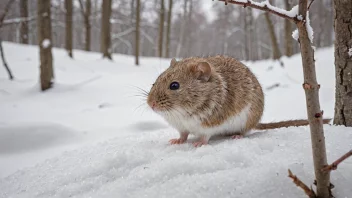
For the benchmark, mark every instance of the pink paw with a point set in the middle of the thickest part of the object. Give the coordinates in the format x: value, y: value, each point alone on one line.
x: 177, y: 141
x: 236, y: 137
x: 199, y: 143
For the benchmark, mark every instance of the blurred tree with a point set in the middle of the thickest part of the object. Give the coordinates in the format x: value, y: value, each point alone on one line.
x: 138, y: 13
x: 68, y: 15
x: 86, y: 12
x: 44, y: 42
x: 168, y: 29
x: 105, y: 42
x: 161, y: 28
x: 24, y: 24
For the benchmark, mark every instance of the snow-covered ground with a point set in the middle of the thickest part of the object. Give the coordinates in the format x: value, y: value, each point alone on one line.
x: 93, y: 135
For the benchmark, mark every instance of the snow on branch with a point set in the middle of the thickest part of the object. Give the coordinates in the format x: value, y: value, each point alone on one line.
x: 334, y: 165
x: 266, y: 6
x: 18, y: 20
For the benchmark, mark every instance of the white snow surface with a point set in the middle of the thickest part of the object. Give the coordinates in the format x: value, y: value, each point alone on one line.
x: 89, y: 136
x: 350, y: 52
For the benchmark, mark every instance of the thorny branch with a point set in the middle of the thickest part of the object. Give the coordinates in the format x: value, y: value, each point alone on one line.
x: 300, y: 184
x: 6, y: 10
x: 266, y: 8
x: 334, y: 165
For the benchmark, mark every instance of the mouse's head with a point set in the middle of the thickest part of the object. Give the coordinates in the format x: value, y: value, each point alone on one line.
x: 186, y: 86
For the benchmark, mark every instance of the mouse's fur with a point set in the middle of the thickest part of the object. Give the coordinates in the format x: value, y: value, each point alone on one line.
x: 216, y: 95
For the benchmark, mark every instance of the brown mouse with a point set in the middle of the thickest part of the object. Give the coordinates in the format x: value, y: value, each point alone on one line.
x: 209, y: 96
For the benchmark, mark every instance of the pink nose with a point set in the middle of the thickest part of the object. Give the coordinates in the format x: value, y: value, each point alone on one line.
x: 153, y: 105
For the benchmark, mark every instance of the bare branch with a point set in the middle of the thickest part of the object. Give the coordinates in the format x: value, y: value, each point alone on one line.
x: 18, y: 20
x: 6, y: 10
x: 334, y: 165
x: 300, y: 184
x: 82, y: 8
x: 310, y: 4
x: 264, y: 6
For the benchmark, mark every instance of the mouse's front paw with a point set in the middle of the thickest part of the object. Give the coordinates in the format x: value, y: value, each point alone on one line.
x: 177, y: 141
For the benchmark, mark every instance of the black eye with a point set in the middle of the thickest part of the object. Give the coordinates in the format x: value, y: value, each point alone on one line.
x: 174, y: 85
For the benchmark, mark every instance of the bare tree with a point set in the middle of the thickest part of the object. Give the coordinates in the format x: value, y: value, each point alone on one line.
x: 182, y: 29
x: 274, y: 44
x: 288, y: 33
x: 68, y: 9
x: 44, y: 42
x: 24, y: 24
x: 86, y: 12
x: 105, y: 42
x: 161, y: 28
x: 311, y: 87
x: 138, y: 13
x: 168, y: 29
x: 343, y: 62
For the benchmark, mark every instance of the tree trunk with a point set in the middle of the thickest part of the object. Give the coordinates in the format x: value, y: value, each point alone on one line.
x: 275, y: 45
x: 161, y: 28
x: 68, y: 7
x: 343, y: 62
x: 168, y: 29
x: 288, y: 33
x: 24, y: 24
x: 87, y: 24
x: 4, y: 61
x: 315, y: 115
x: 45, y: 44
x: 182, y: 29
x: 105, y: 42
x: 137, y: 31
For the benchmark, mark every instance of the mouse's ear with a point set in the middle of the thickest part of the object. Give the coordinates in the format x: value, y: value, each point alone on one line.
x: 202, y: 71
x: 173, y: 62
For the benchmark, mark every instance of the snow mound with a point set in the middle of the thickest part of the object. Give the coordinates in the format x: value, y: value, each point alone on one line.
x: 145, y: 166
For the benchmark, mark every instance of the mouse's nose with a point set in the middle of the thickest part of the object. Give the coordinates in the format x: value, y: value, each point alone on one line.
x: 153, y: 105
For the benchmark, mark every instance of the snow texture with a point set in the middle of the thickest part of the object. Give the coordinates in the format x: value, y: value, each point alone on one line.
x: 46, y: 43
x: 350, y: 52
x: 89, y: 136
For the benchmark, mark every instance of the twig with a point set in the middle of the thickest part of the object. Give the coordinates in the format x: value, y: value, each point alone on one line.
x: 4, y: 61
x: 300, y: 184
x: 334, y: 165
x: 6, y: 10
x: 265, y: 7
x: 310, y: 4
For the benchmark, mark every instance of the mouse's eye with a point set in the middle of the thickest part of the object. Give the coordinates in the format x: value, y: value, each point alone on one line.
x: 174, y: 85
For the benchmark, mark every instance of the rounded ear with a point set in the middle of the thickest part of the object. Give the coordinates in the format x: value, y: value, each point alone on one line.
x: 202, y: 71
x: 173, y: 62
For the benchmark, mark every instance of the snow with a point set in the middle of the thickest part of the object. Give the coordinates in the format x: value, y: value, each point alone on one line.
x: 309, y: 28
x: 290, y: 13
x: 350, y: 52
x: 295, y: 34
x: 46, y: 43
x: 93, y: 136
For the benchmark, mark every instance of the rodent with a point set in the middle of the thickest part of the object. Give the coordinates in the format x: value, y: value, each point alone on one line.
x: 207, y: 96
